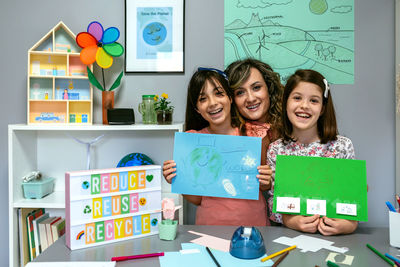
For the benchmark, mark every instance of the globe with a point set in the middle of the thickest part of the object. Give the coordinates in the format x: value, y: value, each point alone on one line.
x: 135, y: 159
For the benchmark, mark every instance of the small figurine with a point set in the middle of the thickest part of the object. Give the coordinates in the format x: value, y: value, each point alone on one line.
x: 46, y: 95
x: 65, y: 95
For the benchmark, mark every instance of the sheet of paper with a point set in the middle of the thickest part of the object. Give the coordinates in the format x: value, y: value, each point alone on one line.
x: 177, y: 259
x: 216, y: 165
x: 73, y: 264
x: 288, y: 204
x: 211, y: 241
x: 307, y: 243
x: 316, y: 206
x: 346, y: 209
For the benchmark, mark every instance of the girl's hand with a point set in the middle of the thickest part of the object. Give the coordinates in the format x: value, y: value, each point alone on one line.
x: 328, y: 226
x: 169, y: 170
x: 308, y: 224
x: 264, y: 177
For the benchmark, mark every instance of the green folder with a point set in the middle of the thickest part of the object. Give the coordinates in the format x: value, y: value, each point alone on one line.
x: 342, y: 181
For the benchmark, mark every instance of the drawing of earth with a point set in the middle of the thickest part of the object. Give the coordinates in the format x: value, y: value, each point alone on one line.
x: 154, y: 33
x: 206, y: 165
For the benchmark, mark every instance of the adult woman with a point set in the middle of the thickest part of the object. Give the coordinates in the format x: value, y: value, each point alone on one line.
x: 257, y: 93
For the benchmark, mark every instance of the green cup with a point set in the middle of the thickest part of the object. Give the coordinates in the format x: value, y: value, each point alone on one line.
x: 167, y: 229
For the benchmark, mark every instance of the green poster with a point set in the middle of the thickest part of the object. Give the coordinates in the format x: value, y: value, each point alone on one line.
x: 333, y: 187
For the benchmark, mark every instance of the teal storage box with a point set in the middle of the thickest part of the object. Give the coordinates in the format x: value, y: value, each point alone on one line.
x: 38, y: 188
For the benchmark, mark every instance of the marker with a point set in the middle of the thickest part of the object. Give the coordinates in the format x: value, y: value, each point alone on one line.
x: 280, y: 259
x: 332, y: 264
x: 125, y: 258
x: 212, y: 256
x: 398, y: 199
x: 390, y: 206
x: 392, y: 258
x: 381, y: 255
x: 278, y: 253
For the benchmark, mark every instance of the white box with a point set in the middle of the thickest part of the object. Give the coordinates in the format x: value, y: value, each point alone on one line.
x: 394, y: 229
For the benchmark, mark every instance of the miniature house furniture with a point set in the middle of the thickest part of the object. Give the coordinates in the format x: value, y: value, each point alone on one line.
x: 59, y: 91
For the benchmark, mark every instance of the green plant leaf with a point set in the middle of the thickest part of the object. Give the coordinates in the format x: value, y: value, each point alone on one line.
x: 93, y: 79
x: 117, y: 81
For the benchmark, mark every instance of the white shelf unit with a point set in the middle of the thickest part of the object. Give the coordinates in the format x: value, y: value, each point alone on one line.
x: 54, y: 149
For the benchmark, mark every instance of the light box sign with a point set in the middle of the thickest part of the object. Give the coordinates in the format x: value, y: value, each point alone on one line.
x: 110, y: 205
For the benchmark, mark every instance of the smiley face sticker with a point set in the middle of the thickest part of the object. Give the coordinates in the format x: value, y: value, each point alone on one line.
x: 142, y: 201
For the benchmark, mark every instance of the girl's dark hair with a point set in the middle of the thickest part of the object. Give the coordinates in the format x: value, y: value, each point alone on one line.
x: 326, y: 124
x: 193, y: 120
x: 239, y: 71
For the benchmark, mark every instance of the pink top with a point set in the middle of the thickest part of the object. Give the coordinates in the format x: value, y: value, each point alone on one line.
x: 230, y: 211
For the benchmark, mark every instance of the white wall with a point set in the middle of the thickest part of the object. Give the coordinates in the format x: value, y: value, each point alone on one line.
x: 365, y: 110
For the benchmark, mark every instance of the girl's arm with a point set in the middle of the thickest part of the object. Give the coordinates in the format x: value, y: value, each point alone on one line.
x: 308, y: 224
x: 196, y: 200
x: 328, y: 226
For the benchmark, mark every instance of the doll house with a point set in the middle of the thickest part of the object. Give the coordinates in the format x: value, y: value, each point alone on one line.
x: 59, y: 91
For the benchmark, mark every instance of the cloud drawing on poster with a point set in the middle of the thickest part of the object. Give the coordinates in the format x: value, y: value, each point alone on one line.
x: 261, y: 3
x: 341, y: 9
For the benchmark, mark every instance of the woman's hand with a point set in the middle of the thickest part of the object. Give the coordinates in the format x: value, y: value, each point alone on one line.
x: 169, y: 170
x: 264, y: 177
x: 308, y: 224
x: 328, y: 226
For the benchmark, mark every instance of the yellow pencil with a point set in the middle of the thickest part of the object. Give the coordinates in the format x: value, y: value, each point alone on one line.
x: 278, y: 253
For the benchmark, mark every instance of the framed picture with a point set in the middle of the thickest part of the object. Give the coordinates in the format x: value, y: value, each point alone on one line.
x: 154, y: 36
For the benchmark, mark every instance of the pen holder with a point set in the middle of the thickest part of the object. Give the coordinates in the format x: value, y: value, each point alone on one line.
x: 394, y: 230
x: 167, y: 229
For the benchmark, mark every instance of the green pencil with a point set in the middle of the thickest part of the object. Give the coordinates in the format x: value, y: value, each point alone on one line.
x: 331, y: 264
x: 381, y: 255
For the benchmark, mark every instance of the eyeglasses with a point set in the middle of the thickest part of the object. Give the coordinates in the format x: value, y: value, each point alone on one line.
x: 215, y: 70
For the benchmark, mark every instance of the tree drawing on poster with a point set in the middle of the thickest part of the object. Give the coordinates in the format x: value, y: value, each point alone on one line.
x: 291, y: 35
x: 216, y: 165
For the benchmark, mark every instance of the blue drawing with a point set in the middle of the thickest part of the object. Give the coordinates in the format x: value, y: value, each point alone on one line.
x: 154, y: 33
x: 217, y: 165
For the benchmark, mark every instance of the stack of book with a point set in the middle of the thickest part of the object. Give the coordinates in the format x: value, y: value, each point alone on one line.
x: 37, y: 231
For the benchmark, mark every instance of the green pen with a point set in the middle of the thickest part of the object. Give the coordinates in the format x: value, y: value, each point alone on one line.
x: 381, y: 255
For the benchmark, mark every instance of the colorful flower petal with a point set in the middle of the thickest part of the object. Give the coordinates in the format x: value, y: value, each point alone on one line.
x: 84, y: 39
x: 96, y: 30
x: 110, y: 35
x: 103, y: 59
x: 114, y: 49
x: 88, y: 54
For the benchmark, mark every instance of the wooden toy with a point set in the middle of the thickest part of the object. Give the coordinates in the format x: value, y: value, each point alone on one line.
x: 54, y: 65
x: 104, y: 206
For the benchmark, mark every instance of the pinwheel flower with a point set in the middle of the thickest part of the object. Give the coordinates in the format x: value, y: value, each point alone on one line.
x: 100, y: 45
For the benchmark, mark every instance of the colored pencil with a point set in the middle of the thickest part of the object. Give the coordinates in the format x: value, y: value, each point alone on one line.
x: 280, y: 259
x: 381, y: 255
x: 392, y: 258
x: 332, y: 264
x: 212, y: 256
x: 125, y: 258
x: 398, y: 199
x: 390, y: 206
x: 278, y: 253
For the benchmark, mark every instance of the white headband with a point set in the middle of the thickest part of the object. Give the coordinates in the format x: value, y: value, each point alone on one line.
x: 326, y: 88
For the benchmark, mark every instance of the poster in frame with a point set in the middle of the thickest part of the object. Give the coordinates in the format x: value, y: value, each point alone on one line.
x: 154, y: 36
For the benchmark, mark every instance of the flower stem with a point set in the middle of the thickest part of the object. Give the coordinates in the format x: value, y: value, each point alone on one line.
x: 104, y: 81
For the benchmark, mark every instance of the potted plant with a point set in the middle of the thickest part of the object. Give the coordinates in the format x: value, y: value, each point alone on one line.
x: 163, y: 109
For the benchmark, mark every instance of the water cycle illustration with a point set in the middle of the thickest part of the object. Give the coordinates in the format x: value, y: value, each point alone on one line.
x: 293, y: 34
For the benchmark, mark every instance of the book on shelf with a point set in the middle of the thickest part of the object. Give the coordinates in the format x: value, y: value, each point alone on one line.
x: 58, y: 229
x: 23, y: 235
x: 36, y: 232
x: 31, y: 239
x: 43, y: 233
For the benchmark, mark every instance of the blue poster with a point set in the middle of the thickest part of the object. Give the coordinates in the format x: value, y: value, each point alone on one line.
x: 154, y: 31
x: 216, y: 165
